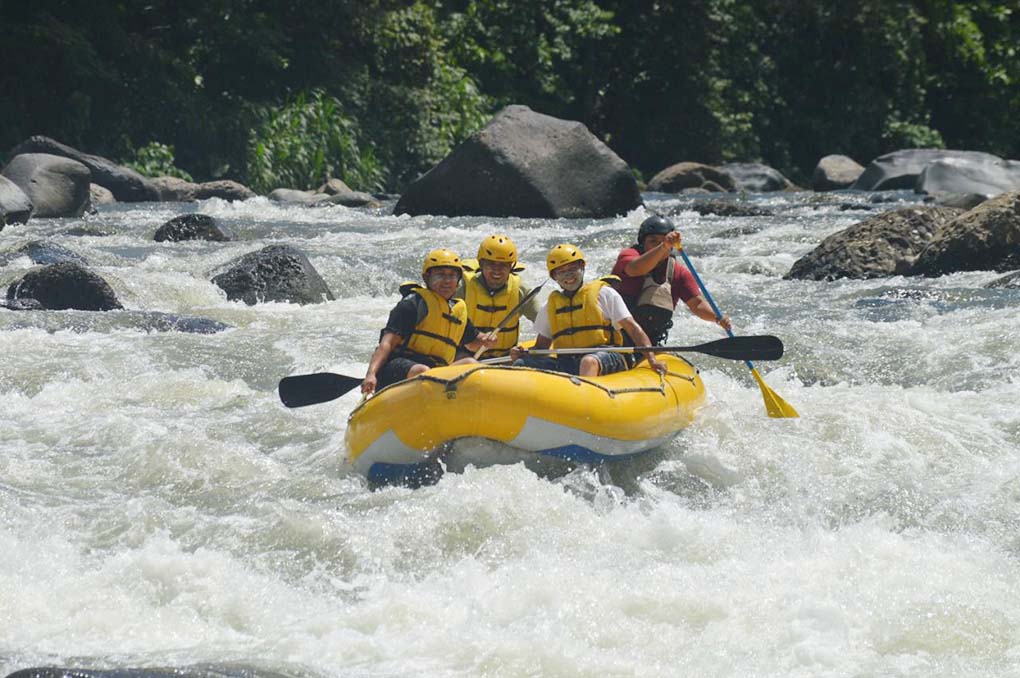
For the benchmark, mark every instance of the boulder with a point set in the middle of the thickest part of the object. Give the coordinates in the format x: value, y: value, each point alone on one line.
x: 63, y: 286
x: 57, y: 186
x: 274, y: 273
x: 353, y: 199
x: 15, y: 206
x: 173, y: 189
x: 296, y: 197
x: 41, y: 252
x: 98, y: 195
x: 126, y: 184
x: 884, y: 245
x: 987, y: 238
x: 755, y: 177
x: 969, y: 176
x: 193, y: 227
x: 334, y: 186
x: 900, y: 169
x: 834, y: 172
x: 721, y: 208
x: 525, y: 164
x: 691, y: 175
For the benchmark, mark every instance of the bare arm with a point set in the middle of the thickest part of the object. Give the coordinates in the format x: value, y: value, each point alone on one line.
x: 651, y: 258
x: 641, y: 339
x: 700, y: 307
x: 382, y: 352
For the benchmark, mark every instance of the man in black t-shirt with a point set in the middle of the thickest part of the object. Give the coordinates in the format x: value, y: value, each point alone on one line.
x: 426, y: 327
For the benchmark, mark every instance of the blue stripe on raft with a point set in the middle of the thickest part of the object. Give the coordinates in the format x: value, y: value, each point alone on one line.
x: 584, y: 455
x: 422, y: 473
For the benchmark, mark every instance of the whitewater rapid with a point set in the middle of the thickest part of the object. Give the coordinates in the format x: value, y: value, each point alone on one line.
x: 160, y: 508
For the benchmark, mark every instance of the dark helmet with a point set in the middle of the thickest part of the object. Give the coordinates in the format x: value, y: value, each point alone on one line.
x: 654, y: 225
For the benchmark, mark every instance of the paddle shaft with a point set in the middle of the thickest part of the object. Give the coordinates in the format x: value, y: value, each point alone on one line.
x: 732, y: 348
x: 775, y: 406
x: 512, y: 312
x: 708, y: 297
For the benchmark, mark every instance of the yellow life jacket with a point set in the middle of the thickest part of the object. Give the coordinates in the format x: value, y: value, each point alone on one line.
x: 578, y: 322
x: 439, y: 333
x: 486, y: 309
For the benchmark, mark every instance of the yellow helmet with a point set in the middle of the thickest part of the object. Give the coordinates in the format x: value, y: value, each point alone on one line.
x: 498, y: 248
x: 562, y: 254
x: 440, y: 257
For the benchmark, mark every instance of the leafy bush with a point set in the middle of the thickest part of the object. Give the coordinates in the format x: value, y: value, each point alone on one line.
x: 307, y: 141
x: 156, y: 160
x: 898, y: 134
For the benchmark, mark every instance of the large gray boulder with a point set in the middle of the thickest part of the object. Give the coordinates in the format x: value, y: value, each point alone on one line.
x: 900, y: 169
x: 969, y: 176
x: 684, y: 176
x: 755, y: 177
x: 126, y: 184
x: 274, y: 273
x: 525, y: 164
x: 834, y: 172
x: 64, y: 286
x: 57, y: 186
x: 987, y: 238
x: 881, y: 246
x: 15, y: 206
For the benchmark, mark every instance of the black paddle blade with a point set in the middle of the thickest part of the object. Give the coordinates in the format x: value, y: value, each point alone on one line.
x: 310, y: 389
x: 756, y: 347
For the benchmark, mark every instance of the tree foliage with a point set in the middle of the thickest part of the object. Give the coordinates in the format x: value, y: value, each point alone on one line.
x: 377, y: 91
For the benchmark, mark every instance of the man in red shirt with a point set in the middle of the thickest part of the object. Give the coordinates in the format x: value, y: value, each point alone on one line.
x: 652, y: 282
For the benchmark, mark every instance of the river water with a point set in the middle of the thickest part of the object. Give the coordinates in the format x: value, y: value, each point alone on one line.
x: 160, y: 508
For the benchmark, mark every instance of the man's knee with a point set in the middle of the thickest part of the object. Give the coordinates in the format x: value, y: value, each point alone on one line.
x: 590, y: 366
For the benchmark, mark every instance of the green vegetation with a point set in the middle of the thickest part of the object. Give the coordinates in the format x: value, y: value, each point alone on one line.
x: 376, y: 91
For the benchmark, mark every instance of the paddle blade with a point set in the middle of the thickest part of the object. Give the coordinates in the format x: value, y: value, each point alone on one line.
x: 775, y: 406
x: 310, y: 389
x: 756, y: 347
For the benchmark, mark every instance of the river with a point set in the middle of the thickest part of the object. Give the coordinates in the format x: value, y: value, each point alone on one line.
x: 160, y: 508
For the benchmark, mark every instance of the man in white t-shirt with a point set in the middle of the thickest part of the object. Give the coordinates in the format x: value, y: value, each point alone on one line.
x: 582, y: 315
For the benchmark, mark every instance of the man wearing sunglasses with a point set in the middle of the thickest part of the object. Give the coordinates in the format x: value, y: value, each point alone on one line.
x: 426, y: 327
x: 580, y: 315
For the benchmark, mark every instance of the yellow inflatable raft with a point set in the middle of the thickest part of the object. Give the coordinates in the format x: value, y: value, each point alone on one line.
x: 392, y: 436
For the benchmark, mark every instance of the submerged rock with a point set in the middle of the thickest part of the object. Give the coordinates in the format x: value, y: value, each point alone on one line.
x: 274, y: 273
x: 65, y: 285
x: 1011, y: 281
x: 41, y: 252
x: 193, y: 227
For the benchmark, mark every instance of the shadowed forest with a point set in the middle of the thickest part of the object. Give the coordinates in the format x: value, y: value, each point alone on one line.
x: 375, y: 92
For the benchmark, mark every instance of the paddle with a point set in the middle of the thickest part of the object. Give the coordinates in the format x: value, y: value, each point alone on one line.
x: 300, y: 390
x: 310, y: 389
x: 511, y: 313
x: 774, y: 405
x: 764, y: 347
